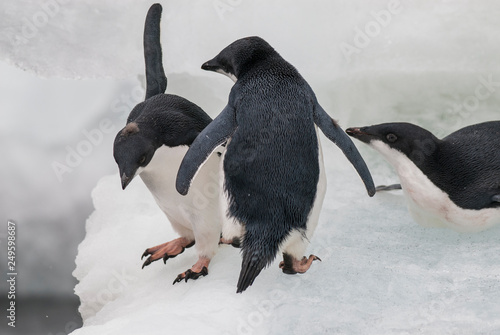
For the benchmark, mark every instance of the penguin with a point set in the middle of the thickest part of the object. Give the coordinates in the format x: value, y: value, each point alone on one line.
x: 452, y: 182
x: 152, y: 144
x: 273, y: 175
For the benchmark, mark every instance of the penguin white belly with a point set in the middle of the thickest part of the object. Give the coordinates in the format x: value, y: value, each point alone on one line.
x: 198, y: 211
x: 429, y: 205
x: 159, y: 176
x: 313, y: 219
x: 295, y: 245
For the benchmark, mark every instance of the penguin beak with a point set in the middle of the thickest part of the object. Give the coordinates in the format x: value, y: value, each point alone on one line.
x: 127, y: 175
x: 125, y: 180
x: 360, y: 134
x: 211, y: 65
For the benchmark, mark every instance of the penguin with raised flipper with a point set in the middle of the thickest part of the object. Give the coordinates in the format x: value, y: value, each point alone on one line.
x: 273, y: 175
x: 152, y: 145
x: 453, y: 182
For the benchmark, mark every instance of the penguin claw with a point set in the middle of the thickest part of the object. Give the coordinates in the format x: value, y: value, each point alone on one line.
x: 147, y: 262
x: 190, y: 274
x: 167, y: 256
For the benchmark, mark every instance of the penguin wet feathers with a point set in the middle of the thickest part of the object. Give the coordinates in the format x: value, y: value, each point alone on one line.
x: 452, y: 182
x: 273, y: 174
x: 152, y: 144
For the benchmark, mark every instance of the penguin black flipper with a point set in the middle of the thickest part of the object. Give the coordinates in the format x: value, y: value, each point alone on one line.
x: 156, y: 81
x: 335, y: 134
x: 216, y: 133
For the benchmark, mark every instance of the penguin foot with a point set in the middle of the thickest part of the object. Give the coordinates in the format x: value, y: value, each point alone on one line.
x: 291, y: 266
x: 166, y: 250
x: 200, y: 269
x: 235, y: 241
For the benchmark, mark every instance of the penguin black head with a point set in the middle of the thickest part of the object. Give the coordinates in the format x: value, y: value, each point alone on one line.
x: 163, y: 119
x: 413, y: 141
x: 238, y: 57
x: 132, y: 152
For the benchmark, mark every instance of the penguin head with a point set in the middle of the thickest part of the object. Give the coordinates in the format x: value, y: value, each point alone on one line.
x: 392, y: 139
x: 132, y: 152
x: 238, y: 57
x: 163, y: 119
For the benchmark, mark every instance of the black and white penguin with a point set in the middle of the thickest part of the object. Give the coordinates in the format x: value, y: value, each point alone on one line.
x: 152, y: 145
x: 273, y: 174
x: 453, y: 182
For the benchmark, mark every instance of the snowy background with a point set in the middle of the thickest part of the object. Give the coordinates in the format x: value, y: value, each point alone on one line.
x: 71, y: 72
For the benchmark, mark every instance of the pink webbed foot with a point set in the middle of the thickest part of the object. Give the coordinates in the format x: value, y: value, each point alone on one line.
x: 291, y: 266
x: 166, y: 250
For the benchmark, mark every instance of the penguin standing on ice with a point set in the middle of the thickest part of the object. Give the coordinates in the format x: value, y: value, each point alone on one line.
x: 152, y: 145
x: 274, y: 180
x: 453, y: 182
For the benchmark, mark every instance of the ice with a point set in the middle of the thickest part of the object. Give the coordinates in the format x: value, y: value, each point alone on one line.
x: 86, y: 34
x: 380, y: 273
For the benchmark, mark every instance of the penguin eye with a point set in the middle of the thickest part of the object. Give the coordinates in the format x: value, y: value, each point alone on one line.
x: 391, y: 137
x: 142, y: 160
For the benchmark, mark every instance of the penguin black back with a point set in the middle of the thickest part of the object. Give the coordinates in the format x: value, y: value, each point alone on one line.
x: 471, y: 159
x: 272, y: 175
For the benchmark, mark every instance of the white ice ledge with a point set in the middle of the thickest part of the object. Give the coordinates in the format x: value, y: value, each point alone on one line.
x: 381, y: 274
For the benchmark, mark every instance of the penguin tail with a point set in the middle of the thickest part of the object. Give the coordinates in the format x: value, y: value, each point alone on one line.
x: 156, y: 81
x: 259, y: 247
x: 250, y: 269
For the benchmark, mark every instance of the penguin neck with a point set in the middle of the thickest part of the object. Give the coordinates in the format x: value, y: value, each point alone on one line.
x: 426, y: 156
x: 256, y: 65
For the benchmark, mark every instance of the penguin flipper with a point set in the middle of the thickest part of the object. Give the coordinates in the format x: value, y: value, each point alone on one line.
x: 216, y: 133
x: 156, y: 81
x: 335, y: 134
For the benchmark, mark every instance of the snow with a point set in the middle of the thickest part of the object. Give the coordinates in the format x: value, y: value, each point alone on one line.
x: 381, y: 273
